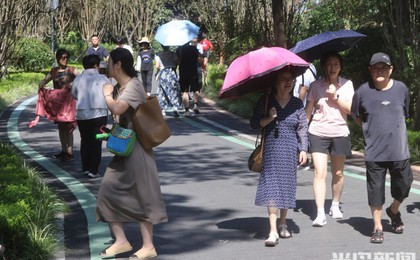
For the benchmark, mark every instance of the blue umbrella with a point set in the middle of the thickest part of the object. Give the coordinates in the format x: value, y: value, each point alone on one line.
x: 176, y: 33
x: 314, y: 47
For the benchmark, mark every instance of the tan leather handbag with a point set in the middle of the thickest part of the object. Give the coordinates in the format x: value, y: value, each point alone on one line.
x: 151, y: 128
x: 255, y: 160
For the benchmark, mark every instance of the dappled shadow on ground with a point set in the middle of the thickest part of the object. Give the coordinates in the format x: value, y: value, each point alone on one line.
x: 257, y: 227
x: 179, y: 235
x: 364, y: 225
x: 308, y: 207
x: 413, y: 207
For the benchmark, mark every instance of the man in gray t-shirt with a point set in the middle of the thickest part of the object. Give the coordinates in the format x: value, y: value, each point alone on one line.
x: 381, y: 107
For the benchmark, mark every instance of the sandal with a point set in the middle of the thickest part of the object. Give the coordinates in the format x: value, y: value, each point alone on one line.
x: 377, y: 237
x: 284, y: 233
x: 273, y: 239
x: 396, y: 222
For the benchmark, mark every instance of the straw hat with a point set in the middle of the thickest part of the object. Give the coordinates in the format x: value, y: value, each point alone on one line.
x: 144, y: 39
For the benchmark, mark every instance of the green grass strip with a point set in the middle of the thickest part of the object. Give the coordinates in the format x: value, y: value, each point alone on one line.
x: 98, y: 231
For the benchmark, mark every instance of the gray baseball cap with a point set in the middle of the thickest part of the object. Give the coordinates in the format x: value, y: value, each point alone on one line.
x: 380, y: 57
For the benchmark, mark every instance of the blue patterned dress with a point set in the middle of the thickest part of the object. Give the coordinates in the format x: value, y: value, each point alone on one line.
x: 169, y: 94
x: 277, y: 183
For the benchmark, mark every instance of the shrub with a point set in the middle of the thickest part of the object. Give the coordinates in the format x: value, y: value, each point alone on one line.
x: 74, y: 44
x: 27, y: 209
x: 414, y: 145
x: 356, y: 134
x: 32, y: 55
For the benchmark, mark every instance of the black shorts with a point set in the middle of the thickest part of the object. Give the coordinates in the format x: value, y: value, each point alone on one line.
x: 206, y: 54
x: 330, y: 145
x: 401, y: 179
x: 189, y: 83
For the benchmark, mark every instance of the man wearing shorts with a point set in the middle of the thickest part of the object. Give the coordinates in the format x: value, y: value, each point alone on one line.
x: 381, y: 107
x: 188, y: 76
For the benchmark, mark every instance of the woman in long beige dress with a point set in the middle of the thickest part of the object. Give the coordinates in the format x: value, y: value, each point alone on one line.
x: 130, y: 189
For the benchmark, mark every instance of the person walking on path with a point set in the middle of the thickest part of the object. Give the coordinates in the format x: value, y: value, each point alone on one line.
x: 381, y: 107
x: 97, y: 49
x: 200, y: 69
x: 168, y: 92
x: 286, y: 142
x: 130, y: 189
x: 145, y: 63
x: 122, y: 43
x: 328, y: 103
x: 65, y: 105
x: 188, y: 77
x: 91, y: 113
x: 207, y: 47
x: 303, y: 82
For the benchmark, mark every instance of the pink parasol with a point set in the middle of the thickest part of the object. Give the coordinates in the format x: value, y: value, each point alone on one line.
x: 257, y: 70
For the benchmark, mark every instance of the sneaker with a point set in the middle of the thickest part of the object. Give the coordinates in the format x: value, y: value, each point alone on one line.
x: 59, y: 155
x: 335, y: 212
x: 188, y: 113
x: 272, y: 240
x: 86, y: 173
x: 67, y: 157
x: 196, y: 111
x: 320, y: 221
x: 93, y: 175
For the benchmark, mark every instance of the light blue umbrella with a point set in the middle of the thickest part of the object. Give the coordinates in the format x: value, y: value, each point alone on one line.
x: 176, y: 33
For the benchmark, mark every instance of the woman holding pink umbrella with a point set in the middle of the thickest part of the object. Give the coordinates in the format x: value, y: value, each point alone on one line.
x: 286, y: 142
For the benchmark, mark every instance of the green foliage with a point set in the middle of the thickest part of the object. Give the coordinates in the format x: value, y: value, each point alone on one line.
x: 243, y: 106
x: 414, y: 146
x: 32, y: 55
x: 238, y: 46
x: 27, y: 209
x: 356, y: 134
x: 18, y: 85
x: 74, y: 44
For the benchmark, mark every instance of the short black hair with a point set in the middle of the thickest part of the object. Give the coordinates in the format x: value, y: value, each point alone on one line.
x: 60, y: 52
x: 90, y: 61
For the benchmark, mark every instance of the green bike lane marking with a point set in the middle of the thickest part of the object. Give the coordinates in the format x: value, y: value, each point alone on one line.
x: 98, y: 232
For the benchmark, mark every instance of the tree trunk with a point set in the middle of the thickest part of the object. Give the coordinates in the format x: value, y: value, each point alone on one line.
x: 278, y: 23
x: 416, y: 120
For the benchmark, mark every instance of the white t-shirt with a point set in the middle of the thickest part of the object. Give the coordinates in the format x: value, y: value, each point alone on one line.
x: 305, y: 79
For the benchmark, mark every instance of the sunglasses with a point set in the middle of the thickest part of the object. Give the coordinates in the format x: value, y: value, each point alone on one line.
x: 64, y: 57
